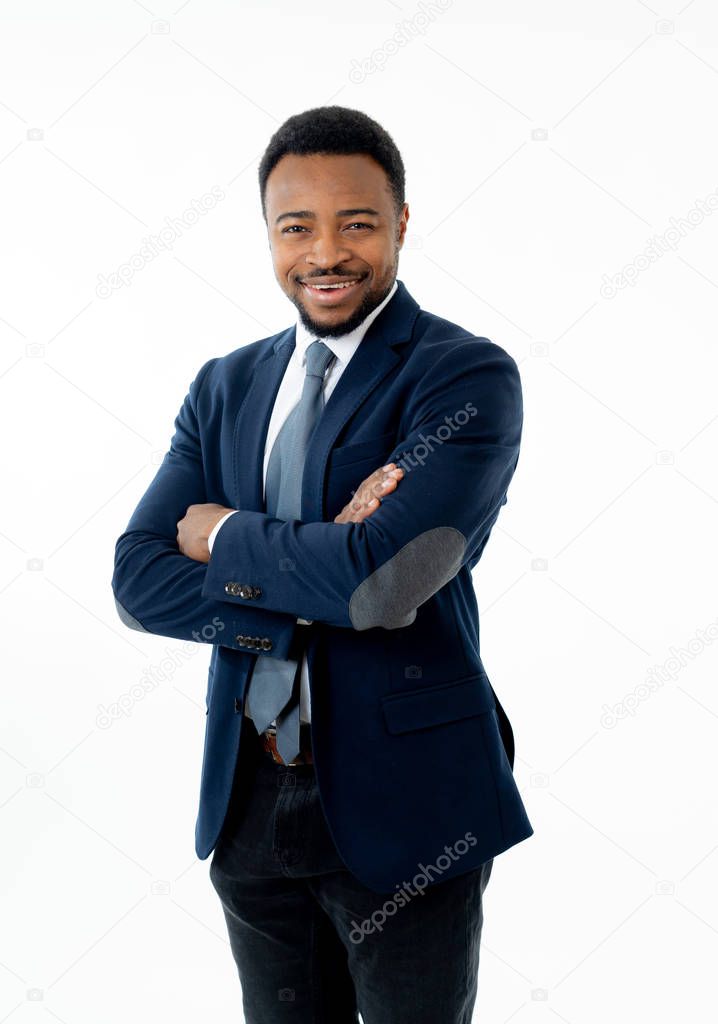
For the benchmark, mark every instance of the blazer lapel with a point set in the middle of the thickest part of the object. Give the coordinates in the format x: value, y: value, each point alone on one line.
x: 252, y: 423
x: 377, y: 354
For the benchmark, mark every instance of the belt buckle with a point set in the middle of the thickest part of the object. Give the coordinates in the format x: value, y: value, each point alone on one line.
x: 272, y: 750
x: 276, y: 756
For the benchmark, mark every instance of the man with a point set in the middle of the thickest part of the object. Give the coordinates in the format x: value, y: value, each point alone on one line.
x: 327, y: 492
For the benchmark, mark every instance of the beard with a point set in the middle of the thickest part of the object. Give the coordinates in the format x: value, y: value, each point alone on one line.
x: 372, y: 299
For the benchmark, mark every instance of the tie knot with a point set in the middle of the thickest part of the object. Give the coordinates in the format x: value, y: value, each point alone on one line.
x: 318, y: 358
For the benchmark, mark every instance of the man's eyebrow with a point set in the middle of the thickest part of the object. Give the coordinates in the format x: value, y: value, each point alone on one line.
x: 309, y: 215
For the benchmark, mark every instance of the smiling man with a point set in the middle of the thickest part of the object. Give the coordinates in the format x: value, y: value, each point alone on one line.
x: 326, y: 495
x: 349, y: 272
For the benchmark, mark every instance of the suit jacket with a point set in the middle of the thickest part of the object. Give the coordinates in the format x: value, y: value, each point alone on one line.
x: 413, y: 752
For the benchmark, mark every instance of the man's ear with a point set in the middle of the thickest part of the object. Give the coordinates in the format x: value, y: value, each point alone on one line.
x: 401, y: 227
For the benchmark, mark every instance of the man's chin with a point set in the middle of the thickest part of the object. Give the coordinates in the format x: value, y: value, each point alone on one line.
x: 327, y: 328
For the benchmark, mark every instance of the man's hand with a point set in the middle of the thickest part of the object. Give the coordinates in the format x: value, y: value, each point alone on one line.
x: 194, y: 529
x: 367, y: 498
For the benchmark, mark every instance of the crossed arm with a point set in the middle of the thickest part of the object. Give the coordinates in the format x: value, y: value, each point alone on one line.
x: 195, y: 527
x: 459, y: 452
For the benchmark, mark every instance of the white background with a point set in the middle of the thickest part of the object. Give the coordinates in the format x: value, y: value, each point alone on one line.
x: 545, y: 145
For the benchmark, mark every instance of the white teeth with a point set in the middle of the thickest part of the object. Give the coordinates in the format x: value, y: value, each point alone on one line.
x: 326, y: 286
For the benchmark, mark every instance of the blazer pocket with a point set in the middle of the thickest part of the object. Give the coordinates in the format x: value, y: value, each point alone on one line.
x: 437, y: 705
x: 373, y: 448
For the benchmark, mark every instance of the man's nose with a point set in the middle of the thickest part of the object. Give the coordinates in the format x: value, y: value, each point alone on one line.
x: 327, y: 250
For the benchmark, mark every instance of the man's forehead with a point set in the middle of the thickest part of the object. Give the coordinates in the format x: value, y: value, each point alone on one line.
x: 361, y: 181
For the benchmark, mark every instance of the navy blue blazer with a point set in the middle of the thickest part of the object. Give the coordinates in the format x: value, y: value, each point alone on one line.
x: 413, y: 752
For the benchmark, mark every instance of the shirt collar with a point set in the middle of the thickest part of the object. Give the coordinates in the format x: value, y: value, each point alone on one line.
x: 343, y: 346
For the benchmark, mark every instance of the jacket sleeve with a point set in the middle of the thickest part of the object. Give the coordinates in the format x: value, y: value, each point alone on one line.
x: 159, y: 590
x: 459, y: 452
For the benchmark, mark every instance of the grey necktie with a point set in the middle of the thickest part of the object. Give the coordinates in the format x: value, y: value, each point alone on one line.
x: 274, y: 684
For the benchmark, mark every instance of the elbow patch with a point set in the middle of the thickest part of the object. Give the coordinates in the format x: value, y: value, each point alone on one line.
x: 390, y: 596
x: 129, y: 620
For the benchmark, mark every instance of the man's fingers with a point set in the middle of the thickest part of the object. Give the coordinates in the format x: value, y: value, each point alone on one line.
x: 368, y: 496
x: 371, y: 493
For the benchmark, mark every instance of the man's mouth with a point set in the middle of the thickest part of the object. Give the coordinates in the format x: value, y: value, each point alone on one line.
x: 333, y: 291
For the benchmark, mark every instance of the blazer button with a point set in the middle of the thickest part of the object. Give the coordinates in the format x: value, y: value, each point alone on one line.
x: 231, y: 588
x: 266, y: 644
x: 241, y: 640
x: 245, y: 591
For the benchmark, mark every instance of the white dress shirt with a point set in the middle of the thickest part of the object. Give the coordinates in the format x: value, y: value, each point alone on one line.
x: 290, y: 390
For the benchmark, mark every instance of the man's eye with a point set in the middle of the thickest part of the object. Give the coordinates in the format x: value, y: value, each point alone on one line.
x: 355, y: 224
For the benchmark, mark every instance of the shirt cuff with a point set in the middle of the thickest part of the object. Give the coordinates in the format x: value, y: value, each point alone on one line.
x: 215, y: 531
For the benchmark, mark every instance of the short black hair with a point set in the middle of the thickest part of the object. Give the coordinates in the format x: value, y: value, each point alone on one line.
x: 335, y: 130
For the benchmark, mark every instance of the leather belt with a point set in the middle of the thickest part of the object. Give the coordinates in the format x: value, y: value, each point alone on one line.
x: 268, y: 741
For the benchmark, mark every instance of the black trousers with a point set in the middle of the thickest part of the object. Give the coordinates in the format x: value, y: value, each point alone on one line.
x: 312, y: 944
